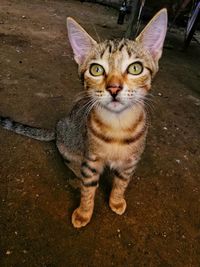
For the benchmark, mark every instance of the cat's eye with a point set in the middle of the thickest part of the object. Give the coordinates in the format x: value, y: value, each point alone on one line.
x: 135, y: 68
x: 96, y: 70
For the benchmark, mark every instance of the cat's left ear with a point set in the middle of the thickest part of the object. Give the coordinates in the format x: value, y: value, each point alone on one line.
x: 80, y: 40
x: 153, y: 35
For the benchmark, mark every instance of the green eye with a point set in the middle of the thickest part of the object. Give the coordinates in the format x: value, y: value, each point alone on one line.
x: 135, y: 68
x: 96, y: 70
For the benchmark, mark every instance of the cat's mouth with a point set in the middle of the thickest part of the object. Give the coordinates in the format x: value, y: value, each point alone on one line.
x: 115, y: 105
x: 115, y: 100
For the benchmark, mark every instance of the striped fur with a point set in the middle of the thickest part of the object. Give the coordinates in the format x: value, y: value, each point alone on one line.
x: 107, y: 125
x: 116, y: 121
x: 32, y: 132
x: 115, y: 136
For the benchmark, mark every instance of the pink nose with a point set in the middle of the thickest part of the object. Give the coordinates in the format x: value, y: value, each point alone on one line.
x: 114, y: 89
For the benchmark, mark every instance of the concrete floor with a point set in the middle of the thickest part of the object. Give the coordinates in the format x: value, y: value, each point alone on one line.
x: 38, y: 82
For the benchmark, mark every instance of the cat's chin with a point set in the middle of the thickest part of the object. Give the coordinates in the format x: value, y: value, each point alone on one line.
x: 115, y: 106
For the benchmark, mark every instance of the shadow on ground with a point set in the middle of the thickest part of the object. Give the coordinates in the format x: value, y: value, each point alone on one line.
x: 38, y: 81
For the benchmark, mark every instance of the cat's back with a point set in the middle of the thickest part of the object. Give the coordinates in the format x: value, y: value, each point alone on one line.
x: 71, y: 130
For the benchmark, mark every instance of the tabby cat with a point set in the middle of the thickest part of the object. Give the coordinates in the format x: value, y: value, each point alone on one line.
x: 107, y: 125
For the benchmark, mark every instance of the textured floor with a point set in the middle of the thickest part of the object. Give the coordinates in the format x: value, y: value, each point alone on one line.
x: 38, y: 82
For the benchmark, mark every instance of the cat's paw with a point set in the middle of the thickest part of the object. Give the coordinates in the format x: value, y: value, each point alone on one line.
x: 118, y: 207
x: 80, y: 218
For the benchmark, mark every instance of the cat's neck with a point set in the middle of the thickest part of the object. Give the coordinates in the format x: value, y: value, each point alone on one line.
x: 122, y: 119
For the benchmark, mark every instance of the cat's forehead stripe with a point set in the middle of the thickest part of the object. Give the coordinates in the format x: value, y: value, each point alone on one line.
x: 121, y: 46
x: 106, y: 48
x: 112, y: 46
x: 117, y: 53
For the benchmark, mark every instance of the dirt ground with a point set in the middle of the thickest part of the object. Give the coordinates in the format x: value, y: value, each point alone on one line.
x: 38, y: 82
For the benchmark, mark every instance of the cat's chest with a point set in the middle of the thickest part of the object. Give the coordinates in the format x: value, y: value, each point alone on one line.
x: 116, y: 141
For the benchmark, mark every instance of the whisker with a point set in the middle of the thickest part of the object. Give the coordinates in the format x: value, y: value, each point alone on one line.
x: 95, y: 101
x: 98, y: 37
x: 86, y: 106
x: 149, y: 105
x: 141, y: 103
x: 82, y: 95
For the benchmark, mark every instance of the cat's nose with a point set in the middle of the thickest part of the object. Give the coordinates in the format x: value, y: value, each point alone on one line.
x: 114, y: 84
x: 114, y: 89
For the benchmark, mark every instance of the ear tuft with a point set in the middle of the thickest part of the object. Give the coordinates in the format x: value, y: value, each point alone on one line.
x: 81, y: 42
x: 153, y: 35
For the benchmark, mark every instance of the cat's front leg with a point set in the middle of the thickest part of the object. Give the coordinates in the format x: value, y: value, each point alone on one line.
x: 90, y: 172
x: 121, y: 180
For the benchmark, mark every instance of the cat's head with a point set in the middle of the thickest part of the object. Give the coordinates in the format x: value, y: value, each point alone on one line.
x: 118, y: 73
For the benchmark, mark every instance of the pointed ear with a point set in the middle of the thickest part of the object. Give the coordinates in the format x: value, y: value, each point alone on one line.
x: 153, y: 35
x: 80, y: 40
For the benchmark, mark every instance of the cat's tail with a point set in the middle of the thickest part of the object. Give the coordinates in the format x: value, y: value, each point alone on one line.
x: 32, y: 132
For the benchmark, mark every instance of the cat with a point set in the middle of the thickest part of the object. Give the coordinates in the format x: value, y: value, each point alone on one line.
x: 107, y: 125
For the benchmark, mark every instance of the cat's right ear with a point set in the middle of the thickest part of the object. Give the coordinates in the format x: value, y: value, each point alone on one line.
x: 81, y: 42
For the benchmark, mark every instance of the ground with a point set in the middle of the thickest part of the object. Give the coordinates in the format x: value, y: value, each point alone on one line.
x: 38, y: 83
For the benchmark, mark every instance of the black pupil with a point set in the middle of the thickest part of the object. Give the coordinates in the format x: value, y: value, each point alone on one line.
x: 98, y: 69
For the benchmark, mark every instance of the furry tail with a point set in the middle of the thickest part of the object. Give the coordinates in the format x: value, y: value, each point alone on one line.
x: 32, y: 132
